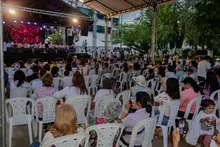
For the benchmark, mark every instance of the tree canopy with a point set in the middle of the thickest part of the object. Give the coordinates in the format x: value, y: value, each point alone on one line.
x: 196, y: 21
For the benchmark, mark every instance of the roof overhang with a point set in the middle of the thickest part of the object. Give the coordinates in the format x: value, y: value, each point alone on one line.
x: 118, y: 7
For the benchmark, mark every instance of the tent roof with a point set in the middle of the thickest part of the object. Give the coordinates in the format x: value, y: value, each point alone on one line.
x: 117, y: 7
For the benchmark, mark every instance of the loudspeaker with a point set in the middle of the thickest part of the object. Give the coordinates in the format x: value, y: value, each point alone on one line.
x: 84, y: 28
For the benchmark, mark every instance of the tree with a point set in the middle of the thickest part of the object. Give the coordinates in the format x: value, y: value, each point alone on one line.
x: 56, y: 38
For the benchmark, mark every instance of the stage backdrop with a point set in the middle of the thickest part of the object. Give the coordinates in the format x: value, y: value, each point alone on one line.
x: 24, y: 33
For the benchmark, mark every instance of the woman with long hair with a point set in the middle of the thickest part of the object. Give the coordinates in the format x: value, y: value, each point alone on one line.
x: 78, y: 88
x: 190, y: 92
x: 64, y: 124
x: 172, y: 93
x: 19, y: 80
x: 211, y: 84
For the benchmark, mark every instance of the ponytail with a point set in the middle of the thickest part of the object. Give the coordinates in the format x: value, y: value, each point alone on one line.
x: 148, y: 108
x: 144, y: 99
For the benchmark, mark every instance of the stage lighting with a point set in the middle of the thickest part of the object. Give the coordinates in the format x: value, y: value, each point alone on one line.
x: 75, y: 20
x: 51, y: 27
x: 22, y: 22
x: 41, y: 28
x: 44, y: 26
x: 29, y: 23
x: 12, y: 11
x: 3, y: 22
x: 35, y: 23
x: 15, y: 21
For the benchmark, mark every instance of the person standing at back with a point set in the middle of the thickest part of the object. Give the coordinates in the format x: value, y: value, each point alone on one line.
x: 203, y: 67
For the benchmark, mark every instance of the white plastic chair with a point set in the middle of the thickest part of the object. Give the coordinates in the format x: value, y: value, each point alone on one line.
x: 94, y: 83
x: 24, y: 70
x: 100, y: 104
x: 74, y: 140
x: 173, y: 107
x: 10, y: 71
x: 57, y: 82
x: 123, y: 97
x: 49, y: 107
x: 130, y: 78
x: 149, y: 126
x: 182, y: 78
x: 20, y: 92
x: 150, y: 86
x: 115, y: 73
x: 196, y: 100
x: 81, y: 104
x: 217, y: 101
x: 122, y: 80
x: 106, y: 134
x: 87, y: 81
x: 20, y: 115
x: 67, y: 81
x: 138, y: 72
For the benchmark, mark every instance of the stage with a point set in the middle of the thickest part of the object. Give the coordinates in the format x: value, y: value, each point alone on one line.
x: 13, y: 55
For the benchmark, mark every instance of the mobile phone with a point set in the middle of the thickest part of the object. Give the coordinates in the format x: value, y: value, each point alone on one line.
x: 181, y: 126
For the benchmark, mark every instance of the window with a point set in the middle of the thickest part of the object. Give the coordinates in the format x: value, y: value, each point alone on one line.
x: 88, y: 12
x: 100, y: 29
x: 115, y: 21
x: 91, y: 28
x: 100, y: 16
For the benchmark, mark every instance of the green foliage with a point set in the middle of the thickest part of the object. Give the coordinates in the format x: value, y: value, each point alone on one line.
x: 56, y: 38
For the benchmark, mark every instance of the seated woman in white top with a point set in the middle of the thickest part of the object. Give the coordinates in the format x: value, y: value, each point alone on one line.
x: 78, y: 88
x: 64, y: 124
x: 19, y: 80
x: 129, y: 120
x: 106, y: 89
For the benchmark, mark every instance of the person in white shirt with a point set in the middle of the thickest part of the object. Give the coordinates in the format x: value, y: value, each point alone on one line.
x: 78, y: 88
x: 203, y: 67
x: 37, y: 83
x: 19, y: 80
x: 170, y: 73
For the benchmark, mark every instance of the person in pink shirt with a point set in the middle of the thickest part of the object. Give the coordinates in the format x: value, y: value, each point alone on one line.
x: 46, y: 90
x: 191, y: 91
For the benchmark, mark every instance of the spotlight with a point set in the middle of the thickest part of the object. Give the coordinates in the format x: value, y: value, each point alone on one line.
x: 51, y: 27
x: 12, y: 11
x: 22, y: 22
x: 3, y: 22
x: 75, y: 20
x: 35, y: 23
x: 29, y: 23
x: 41, y: 28
x: 15, y: 21
x: 44, y: 26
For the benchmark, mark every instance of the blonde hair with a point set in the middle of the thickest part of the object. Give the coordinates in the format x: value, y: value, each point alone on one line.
x: 65, y: 120
x: 47, y: 79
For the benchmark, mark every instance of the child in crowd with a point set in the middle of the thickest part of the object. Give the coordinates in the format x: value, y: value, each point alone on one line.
x: 203, y: 125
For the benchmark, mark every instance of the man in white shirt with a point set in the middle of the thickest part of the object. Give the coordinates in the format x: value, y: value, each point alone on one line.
x: 203, y: 68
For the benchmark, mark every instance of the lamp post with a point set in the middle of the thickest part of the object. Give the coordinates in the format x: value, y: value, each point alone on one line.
x: 2, y: 95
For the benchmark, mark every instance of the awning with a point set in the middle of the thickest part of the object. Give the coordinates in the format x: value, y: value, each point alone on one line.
x: 117, y: 7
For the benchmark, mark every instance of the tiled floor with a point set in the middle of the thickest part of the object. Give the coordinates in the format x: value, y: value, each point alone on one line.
x: 21, y: 139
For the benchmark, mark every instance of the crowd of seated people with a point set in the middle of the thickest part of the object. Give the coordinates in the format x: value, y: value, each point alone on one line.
x: 199, y: 80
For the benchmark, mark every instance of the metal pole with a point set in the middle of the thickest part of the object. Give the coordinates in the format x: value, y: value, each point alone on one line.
x: 121, y: 18
x: 153, y: 45
x: 106, y: 35
x: 94, y: 41
x: 2, y: 89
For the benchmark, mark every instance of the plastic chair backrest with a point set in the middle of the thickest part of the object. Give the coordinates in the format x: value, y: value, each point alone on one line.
x: 182, y: 78
x: 49, y: 108
x: 173, y: 107
x: 196, y: 100
x: 10, y: 70
x: 123, y: 97
x: 80, y: 104
x: 67, y: 82
x: 19, y: 92
x: 100, y: 104
x: 138, y: 72
x: 150, y: 83
x: 57, y: 82
x: 148, y: 125
x: 94, y: 80
x: 19, y: 109
x: 216, y: 99
x: 87, y: 81
x: 106, y: 133
x: 24, y: 70
x: 131, y: 75
x: 74, y: 140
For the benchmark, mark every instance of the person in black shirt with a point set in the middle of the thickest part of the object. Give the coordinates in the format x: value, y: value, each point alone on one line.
x: 34, y: 76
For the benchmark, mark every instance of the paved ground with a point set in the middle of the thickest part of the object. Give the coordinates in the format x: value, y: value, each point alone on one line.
x: 21, y: 139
